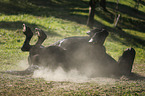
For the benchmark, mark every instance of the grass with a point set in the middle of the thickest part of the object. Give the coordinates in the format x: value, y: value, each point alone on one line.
x: 60, y: 22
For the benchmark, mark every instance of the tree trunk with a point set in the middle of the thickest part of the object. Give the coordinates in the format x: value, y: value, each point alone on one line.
x: 92, y: 6
x: 137, y: 4
x: 103, y: 4
x: 116, y: 13
x: 117, y: 19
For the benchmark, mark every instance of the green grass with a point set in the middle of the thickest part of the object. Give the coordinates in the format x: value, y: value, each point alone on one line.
x: 59, y: 22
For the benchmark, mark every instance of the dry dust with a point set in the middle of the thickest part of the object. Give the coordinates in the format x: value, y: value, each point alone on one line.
x: 72, y: 76
x: 60, y: 75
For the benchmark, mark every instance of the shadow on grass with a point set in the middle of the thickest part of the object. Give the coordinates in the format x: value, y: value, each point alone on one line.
x: 63, y: 9
x: 140, y: 1
x: 135, y: 76
x: 127, y: 10
x: 19, y: 25
x: 131, y: 40
x: 68, y: 9
x: 124, y: 22
x: 118, y: 33
x: 15, y: 25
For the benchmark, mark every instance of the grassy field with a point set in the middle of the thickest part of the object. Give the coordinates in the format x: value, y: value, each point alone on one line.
x: 64, y: 18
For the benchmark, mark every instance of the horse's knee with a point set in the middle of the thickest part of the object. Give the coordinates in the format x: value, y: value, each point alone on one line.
x: 26, y: 47
x: 126, y: 61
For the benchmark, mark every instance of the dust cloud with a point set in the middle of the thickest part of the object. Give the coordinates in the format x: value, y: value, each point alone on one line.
x: 59, y: 75
x: 22, y: 65
x: 72, y: 76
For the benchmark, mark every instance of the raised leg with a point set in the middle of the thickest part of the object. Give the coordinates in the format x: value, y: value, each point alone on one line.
x: 28, y: 33
x: 30, y: 70
x: 41, y: 37
x: 126, y: 61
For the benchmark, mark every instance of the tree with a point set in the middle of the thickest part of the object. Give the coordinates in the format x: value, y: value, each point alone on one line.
x: 117, y: 16
x: 92, y: 6
x: 103, y: 4
x: 137, y: 4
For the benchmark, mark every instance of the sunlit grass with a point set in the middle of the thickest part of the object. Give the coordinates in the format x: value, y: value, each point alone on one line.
x: 138, y: 34
x: 130, y: 3
x: 102, y: 21
x: 12, y: 37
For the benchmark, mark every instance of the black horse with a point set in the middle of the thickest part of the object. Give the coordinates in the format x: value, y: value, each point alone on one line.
x: 81, y: 53
x: 90, y: 52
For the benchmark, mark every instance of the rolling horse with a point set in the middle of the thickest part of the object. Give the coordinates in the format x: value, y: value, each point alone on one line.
x: 81, y: 53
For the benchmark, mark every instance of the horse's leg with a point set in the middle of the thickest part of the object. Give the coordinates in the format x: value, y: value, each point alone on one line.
x: 126, y: 61
x: 30, y: 70
x: 41, y: 37
x: 28, y: 33
x: 34, y: 53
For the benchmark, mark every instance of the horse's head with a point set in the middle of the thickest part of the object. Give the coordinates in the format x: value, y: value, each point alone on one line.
x: 98, y: 36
